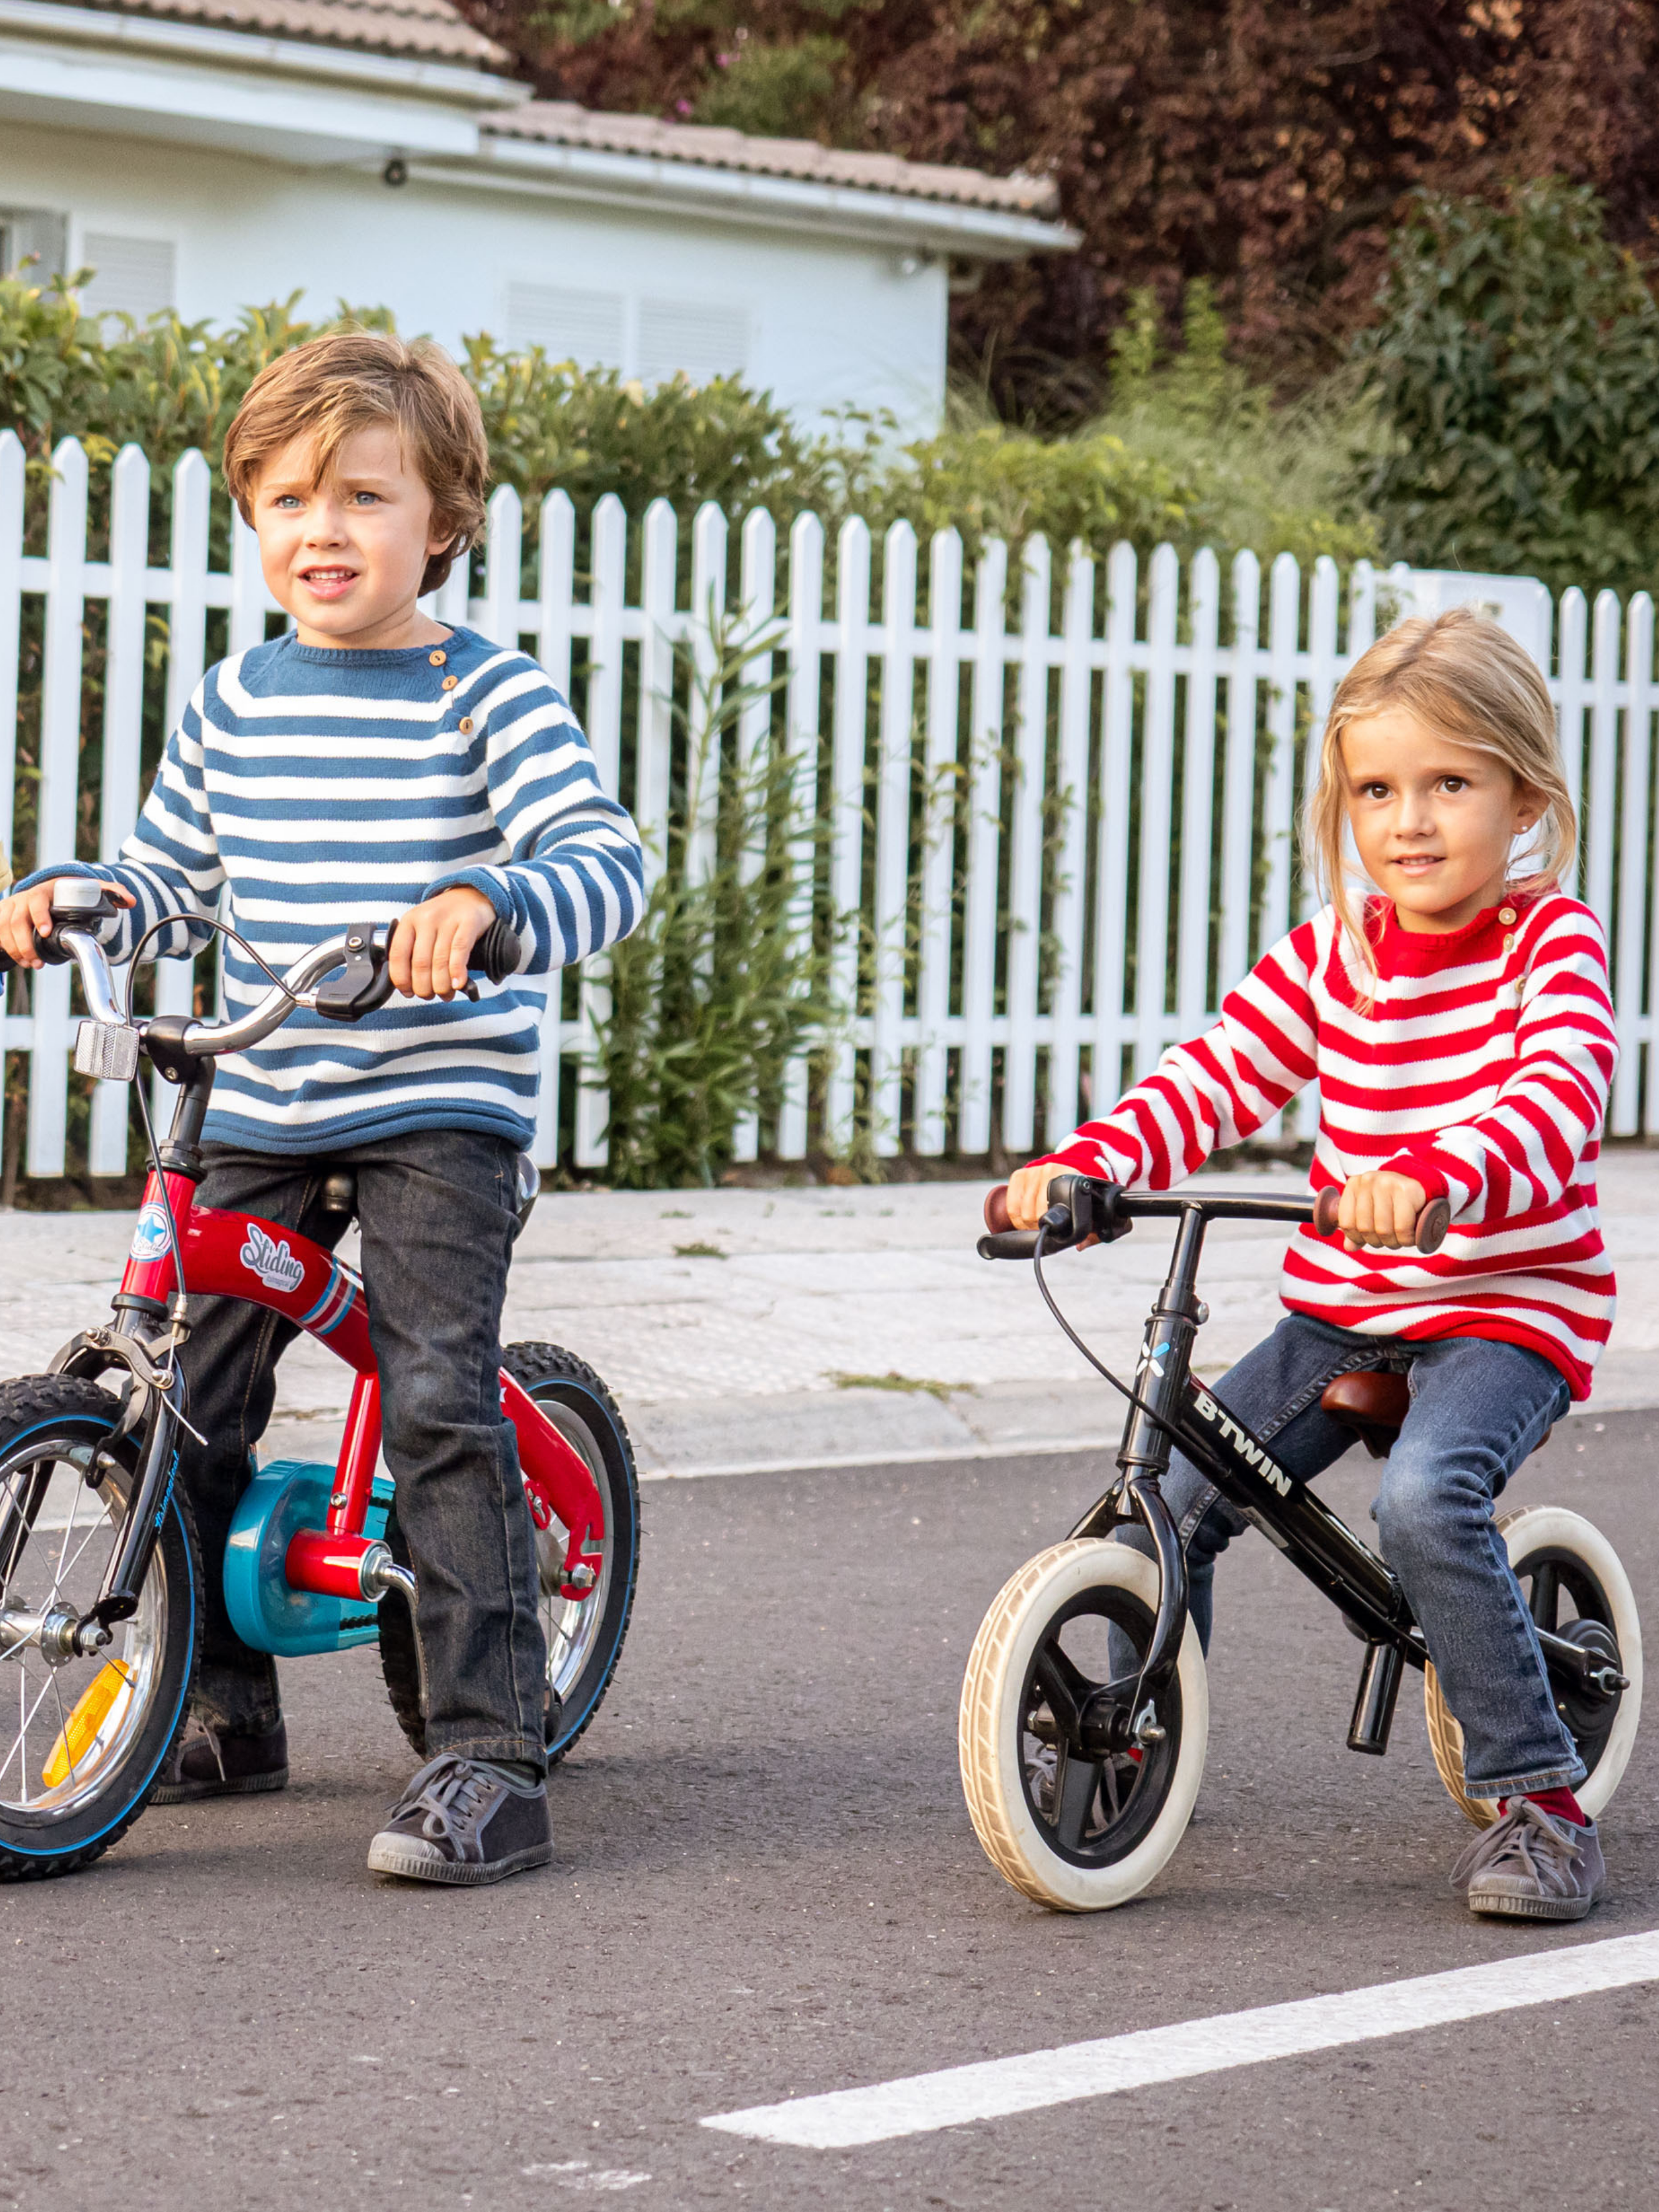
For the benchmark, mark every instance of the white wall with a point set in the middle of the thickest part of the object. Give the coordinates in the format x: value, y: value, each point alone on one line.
x: 822, y: 324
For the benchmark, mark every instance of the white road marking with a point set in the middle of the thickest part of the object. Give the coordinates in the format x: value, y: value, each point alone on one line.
x: 957, y: 2094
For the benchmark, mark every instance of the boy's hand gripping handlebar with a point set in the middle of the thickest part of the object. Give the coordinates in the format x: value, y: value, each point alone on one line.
x: 1081, y: 1209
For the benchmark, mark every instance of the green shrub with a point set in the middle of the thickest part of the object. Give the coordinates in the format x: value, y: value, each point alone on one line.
x: 1190, y: 451
x: 1517, y: 365
x: 725, y: 979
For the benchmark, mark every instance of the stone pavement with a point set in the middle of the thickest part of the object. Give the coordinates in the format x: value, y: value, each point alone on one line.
x: 758, y: 1330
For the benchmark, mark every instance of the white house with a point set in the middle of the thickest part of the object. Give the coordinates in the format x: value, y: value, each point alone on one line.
x: 206, y: 154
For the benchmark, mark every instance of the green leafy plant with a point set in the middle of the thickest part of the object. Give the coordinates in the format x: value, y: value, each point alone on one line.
x: 1515, y: 362
x: 722, y: 985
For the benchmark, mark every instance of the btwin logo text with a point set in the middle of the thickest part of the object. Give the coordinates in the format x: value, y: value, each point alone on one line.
x: 1246, y: 1446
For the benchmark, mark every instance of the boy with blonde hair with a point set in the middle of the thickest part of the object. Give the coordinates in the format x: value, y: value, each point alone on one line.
x: 375, y: 765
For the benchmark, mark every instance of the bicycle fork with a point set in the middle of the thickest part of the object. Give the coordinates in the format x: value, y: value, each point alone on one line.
x: 1143, y: 1460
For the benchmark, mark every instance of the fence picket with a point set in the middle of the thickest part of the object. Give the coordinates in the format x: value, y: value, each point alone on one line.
x: 940, y: 791
x: 658, y: 585
x: 1198, y: 796
x: 1029, y: 753
x: 1112, y: 900
x: 1628, y: 945
x: 757, y: 589
x: 60, y: 762
x: 1238, y: 786
x: 1158, y: 771
x: 1066, y: 922
x: 1601, y: 778
x: 980, y: 890
x: 1181, y: 712
x: 801, y: 711
x: 124, y: 700
x: 847, y: 848
x: 1571, y: 700
x: 888, y: 946
x: 16, y: 1031
x: 710, y: 562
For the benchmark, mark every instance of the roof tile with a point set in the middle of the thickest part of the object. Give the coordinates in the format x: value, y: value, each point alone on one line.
x: 561, y: 123
x: 431, y: 29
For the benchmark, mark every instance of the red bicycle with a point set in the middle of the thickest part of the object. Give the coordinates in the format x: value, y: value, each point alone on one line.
x: 100, y: 1573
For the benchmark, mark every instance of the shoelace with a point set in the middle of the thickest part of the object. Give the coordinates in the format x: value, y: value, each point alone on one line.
x: 1526, y: 1841
x: 449, y: 1791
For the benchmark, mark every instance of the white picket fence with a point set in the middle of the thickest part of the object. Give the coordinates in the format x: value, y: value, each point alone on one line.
x: 1176, y: 732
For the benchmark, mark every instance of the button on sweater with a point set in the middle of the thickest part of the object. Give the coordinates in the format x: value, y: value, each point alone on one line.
x: 309, y: 788
x: 1477, y: 1062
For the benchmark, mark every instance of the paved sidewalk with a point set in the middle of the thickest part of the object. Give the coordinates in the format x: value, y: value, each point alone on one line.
x: 754, y: 1329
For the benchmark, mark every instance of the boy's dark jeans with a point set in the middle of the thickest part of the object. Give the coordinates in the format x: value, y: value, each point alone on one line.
x: 437, y: 1209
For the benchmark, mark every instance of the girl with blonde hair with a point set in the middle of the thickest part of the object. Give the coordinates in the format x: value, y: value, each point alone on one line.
x: 1456, y: 1017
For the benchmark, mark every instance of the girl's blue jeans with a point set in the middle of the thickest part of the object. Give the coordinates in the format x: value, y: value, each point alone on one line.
x: 1478, y: 1408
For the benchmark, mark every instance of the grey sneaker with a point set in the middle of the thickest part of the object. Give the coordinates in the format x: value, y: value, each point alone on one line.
x: 206, y: 1762
x: 1533, y: 1866
x: 462, y: 1823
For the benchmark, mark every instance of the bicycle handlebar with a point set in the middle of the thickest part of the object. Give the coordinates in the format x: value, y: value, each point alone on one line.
x: 1081, y: 1207
x: 362, y: 952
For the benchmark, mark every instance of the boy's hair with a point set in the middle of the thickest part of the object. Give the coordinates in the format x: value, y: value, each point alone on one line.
x: 1464, y: 675
x: 351, y: 380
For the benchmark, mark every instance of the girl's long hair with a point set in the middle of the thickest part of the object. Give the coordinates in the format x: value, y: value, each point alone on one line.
x: 1464, y: 675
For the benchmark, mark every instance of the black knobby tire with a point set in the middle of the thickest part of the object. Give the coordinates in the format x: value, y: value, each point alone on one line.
x: 139, y: 1683
x: 578, y: 1402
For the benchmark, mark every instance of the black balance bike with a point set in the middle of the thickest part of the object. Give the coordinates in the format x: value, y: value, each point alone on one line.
x: 1084, y: 1711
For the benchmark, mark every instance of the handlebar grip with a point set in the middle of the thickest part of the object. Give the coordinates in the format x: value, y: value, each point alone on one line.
x: 997, y: 1218
x: 1008, y: 1244
x: 497, y: 953
x: 1432, y: 1222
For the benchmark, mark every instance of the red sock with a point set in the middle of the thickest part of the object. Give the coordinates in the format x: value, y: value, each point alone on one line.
x: 1561, y: 1802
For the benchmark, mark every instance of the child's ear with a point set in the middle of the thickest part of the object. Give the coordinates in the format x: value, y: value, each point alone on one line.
x: 1531, y: 805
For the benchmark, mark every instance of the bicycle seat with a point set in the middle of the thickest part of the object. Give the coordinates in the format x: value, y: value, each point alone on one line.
x: 1372, y: 1403
x: 340, y: 1189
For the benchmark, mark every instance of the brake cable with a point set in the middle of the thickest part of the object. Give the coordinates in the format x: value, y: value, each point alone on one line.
x: 1158, y: 1421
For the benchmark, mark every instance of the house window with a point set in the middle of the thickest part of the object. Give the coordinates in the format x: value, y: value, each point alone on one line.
x: 700, y: 337
x: 136, y: 276
x: 33, y: 231
x: 586, y: 327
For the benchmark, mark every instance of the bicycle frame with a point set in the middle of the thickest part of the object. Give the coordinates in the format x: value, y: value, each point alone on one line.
x: 1177, y: 1411
x: 238, y: 1256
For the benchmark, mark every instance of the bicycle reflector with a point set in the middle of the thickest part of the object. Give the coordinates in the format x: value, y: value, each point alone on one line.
x: 105, y: 1698
x: 109, y: 1052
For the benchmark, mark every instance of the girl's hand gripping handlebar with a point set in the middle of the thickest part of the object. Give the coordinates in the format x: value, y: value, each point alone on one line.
x: 1432, y: 1222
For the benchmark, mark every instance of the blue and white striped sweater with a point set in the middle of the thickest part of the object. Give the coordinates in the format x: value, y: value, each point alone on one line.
x: 323, y: 786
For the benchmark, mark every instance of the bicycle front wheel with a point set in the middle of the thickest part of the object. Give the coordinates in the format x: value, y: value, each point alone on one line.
x: 1077, y: 1832
x: 82, y: 1739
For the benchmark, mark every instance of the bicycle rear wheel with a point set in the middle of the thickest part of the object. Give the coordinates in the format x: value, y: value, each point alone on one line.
x: 82, y: 1739
x: 1575, y: 1586
x: 585, y: 1635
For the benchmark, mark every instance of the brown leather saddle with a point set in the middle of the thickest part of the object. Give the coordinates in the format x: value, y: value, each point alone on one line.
x: 1373, y: 1403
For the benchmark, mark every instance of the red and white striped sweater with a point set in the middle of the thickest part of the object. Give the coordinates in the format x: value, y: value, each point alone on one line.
x: 1482, y: 1069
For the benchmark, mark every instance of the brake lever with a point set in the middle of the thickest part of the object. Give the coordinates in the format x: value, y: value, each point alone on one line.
x: 364, y: 983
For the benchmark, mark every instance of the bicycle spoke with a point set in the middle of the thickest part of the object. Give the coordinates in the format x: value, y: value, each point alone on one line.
x: 1075, y: 1785
x: 1113, y: 1802
x: 1546, y: 1597
x: 63, y: 1540
x: 23, y: 1727
x: 86, y: 1540
x: 63, y: 1729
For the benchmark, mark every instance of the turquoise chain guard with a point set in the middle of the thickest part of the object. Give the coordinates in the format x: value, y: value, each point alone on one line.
x: 266, y: 1610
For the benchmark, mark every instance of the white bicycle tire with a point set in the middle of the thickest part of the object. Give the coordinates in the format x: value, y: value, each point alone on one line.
x: 990, y: 1727
x: 1531, y: 1529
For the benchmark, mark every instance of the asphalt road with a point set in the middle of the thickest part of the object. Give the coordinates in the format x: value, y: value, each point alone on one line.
x: 767, y: 1886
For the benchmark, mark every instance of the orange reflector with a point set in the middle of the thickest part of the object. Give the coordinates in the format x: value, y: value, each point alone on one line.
x: 81, y: 1731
